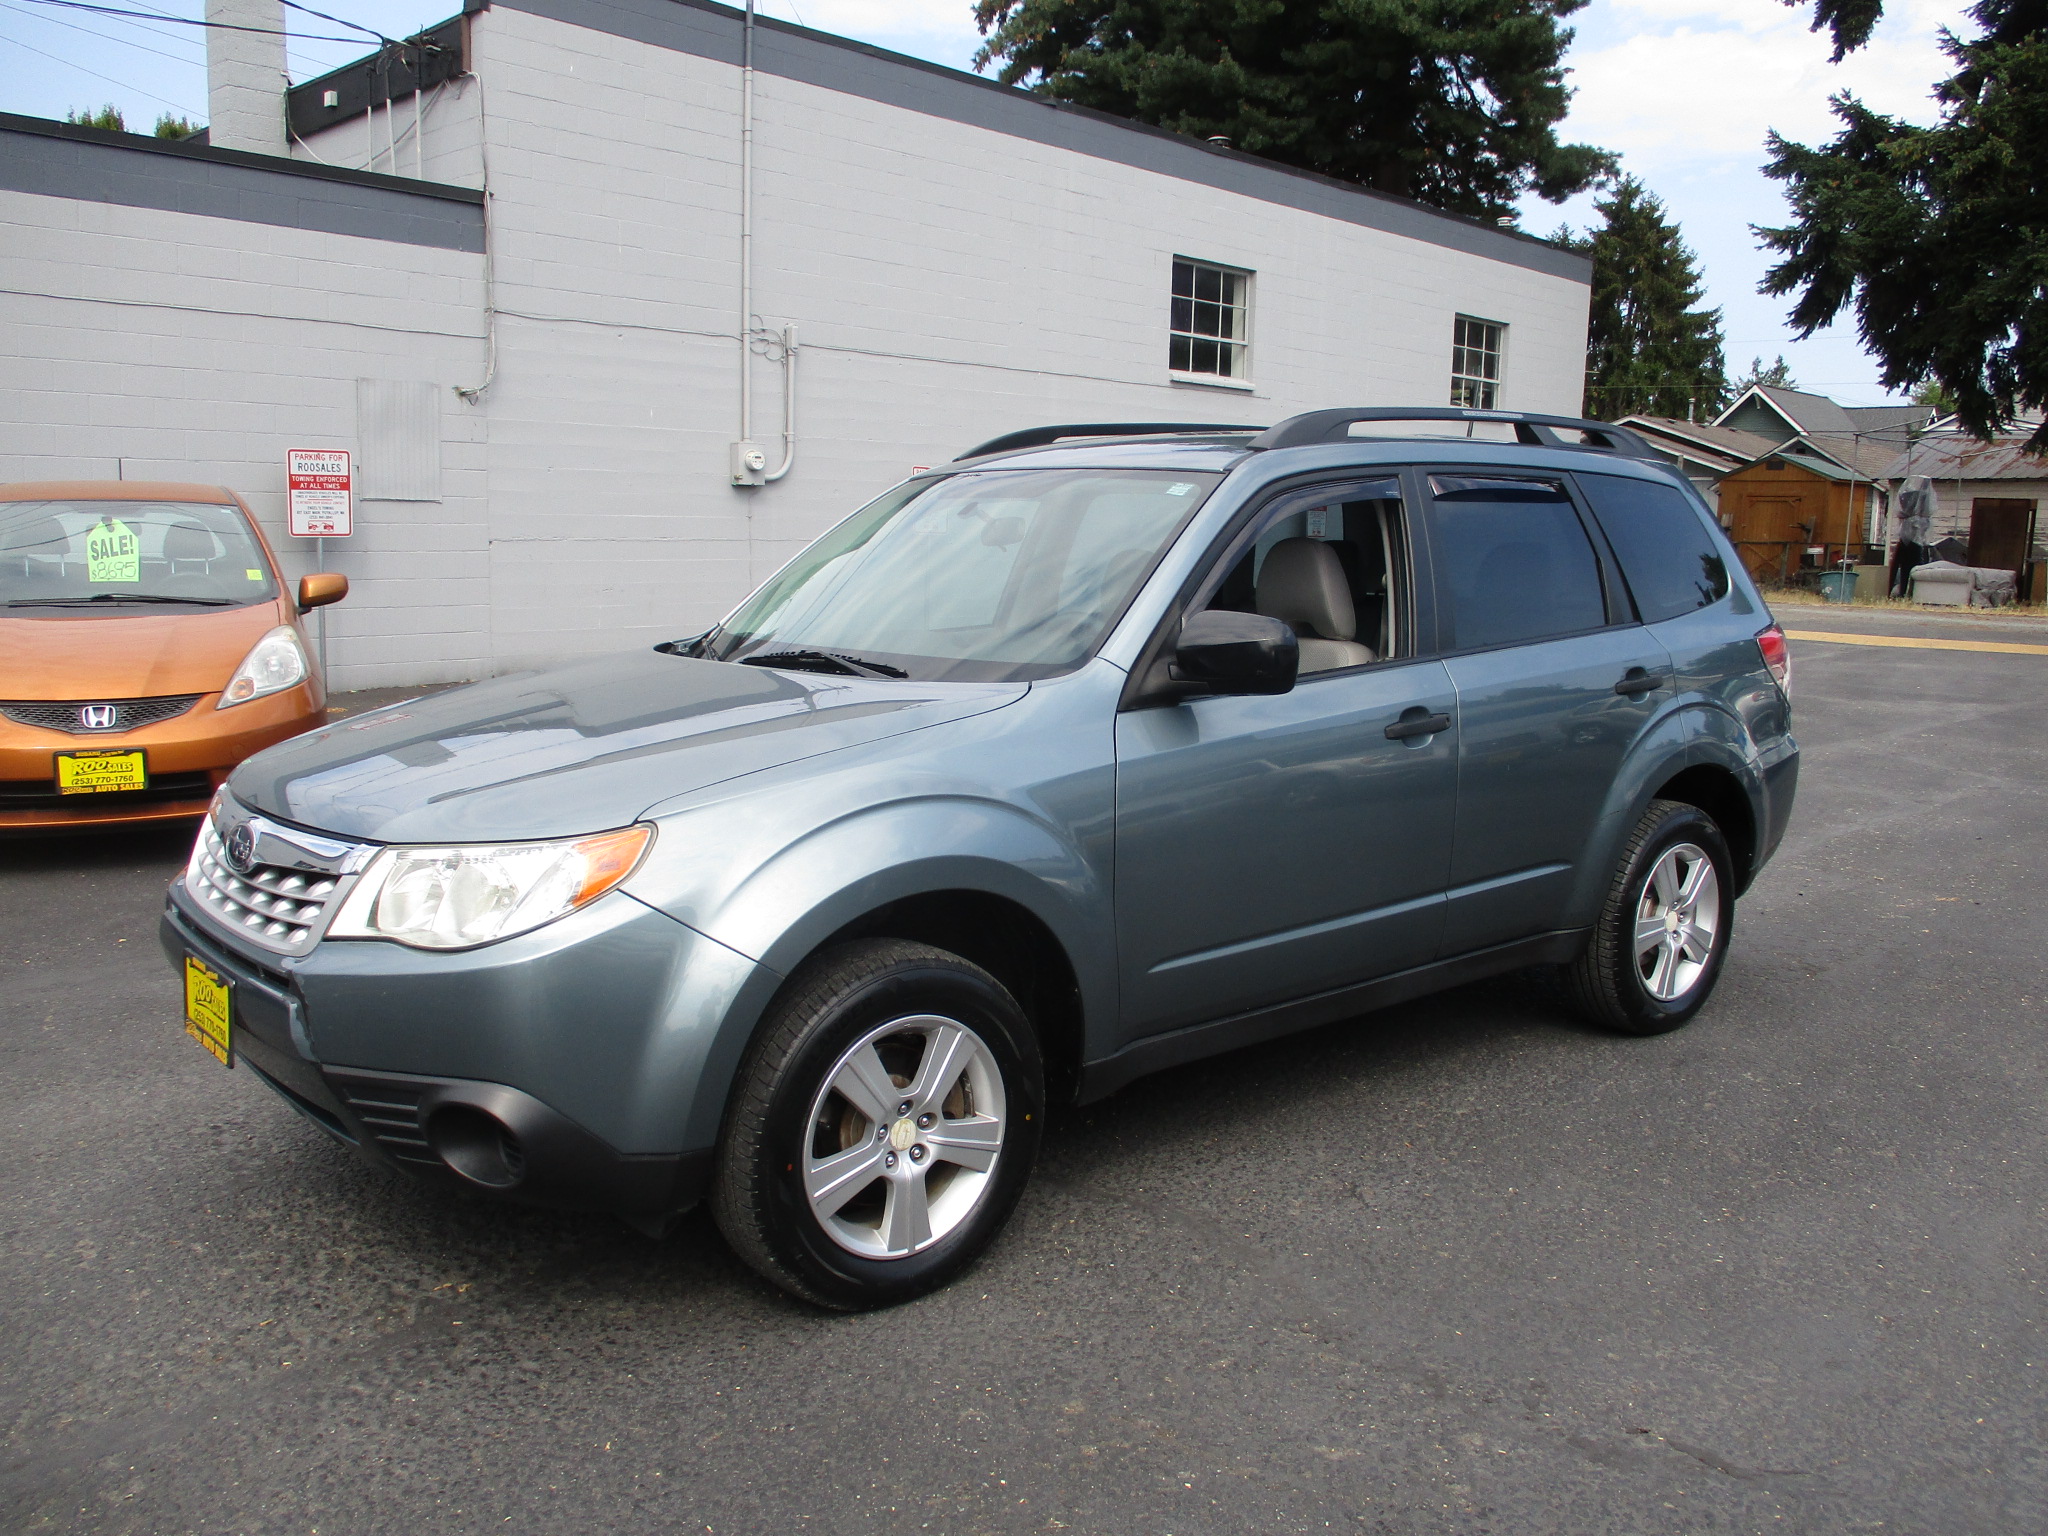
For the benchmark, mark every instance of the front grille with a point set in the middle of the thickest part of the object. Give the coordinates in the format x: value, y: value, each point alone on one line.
x: 390, y: 1112
x: 97, y: 717
x: 274, y: 905
x: 164, y: 789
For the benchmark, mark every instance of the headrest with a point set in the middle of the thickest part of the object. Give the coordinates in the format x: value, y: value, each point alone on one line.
x: 189, y: 541
x: 43, y: 537
x: 1302, y: 582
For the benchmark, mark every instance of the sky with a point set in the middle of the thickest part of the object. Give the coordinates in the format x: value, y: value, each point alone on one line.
x: 1683, y: 90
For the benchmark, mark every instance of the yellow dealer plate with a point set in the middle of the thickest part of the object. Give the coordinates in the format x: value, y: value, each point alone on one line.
x: 208, y: 1005
x: 87, y: 773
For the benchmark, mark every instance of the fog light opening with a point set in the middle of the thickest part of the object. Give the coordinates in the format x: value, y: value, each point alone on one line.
x: 477, y: 1145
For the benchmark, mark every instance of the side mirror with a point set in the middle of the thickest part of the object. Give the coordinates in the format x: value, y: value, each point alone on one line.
x: 318, y: 590
x: 1225, y: 652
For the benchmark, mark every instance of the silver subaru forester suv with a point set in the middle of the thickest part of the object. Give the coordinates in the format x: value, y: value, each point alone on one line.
x: 1098, y: 750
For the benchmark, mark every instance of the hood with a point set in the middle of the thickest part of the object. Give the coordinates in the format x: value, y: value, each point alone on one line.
x: 128, y: 654
x: 580, y: 748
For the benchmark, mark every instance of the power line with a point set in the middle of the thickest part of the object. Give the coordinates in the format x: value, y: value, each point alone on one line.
x: 221, y: 26
x: 105, y: 37
x: 110, y: 80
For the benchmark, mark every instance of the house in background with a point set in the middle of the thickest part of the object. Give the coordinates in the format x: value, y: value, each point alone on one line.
x: 1799, y: 481
x: 1989, y: 496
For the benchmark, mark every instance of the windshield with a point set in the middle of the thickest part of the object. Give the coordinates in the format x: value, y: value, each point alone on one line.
x: 106, y: 554
x: 991, y: 575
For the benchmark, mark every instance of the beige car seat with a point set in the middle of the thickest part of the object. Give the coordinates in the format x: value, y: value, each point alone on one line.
x: 1302, y: 583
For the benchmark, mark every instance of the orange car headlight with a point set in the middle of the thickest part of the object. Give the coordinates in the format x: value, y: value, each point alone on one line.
x: 274, y: 663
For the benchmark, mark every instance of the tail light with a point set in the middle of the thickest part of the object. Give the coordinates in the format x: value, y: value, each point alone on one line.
x: 1777, y: 657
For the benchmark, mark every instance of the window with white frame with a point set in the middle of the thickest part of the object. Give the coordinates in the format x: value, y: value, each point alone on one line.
x: 1211, y: 332
x: 1475, y: 362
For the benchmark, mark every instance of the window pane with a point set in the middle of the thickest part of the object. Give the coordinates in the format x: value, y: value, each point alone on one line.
x: 1226, y: 362
x: 1184, y: 279
x: 1179, y: 356
x: 1673, y: 560
x: 1208, y: 283
x: 1205, y: 357
x: 1513, y: 563
x: 1183, y: 314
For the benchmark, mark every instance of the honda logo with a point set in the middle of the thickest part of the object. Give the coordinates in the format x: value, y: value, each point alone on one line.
x: 99, y: 717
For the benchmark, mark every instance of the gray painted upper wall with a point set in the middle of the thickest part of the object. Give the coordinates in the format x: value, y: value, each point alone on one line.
x: 93, y: 164
x: 713, y: 31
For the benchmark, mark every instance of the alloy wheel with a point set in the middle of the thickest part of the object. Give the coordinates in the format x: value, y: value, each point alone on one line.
x: 1678, y: 918
x: 903, y: 1137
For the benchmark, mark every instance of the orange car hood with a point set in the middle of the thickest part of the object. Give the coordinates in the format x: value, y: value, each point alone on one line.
x: 129, y: 654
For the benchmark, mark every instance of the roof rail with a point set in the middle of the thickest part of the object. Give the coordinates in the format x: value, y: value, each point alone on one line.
x: 1536, y: 431
x: 1039, y: 437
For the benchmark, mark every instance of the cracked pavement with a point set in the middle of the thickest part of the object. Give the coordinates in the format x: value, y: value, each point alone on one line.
x: 1461, y: 1266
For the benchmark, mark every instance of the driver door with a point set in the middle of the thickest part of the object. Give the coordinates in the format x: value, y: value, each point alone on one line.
x: 1269, y: 848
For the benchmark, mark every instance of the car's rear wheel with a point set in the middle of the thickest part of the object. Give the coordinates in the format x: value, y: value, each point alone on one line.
x: 882, y: 1127
x: 1663, y: 931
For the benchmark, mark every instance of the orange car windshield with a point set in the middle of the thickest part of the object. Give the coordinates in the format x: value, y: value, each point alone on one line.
x: 113, y: 554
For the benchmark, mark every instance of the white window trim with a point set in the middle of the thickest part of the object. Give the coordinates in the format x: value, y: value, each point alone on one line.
x: 1241, y: 382
x: 1500, y: 381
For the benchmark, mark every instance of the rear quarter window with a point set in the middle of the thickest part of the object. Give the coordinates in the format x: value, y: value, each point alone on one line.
x: 1673, y: 560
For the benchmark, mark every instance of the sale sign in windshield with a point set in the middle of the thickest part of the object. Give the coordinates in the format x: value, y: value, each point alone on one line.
x: 317, y: 481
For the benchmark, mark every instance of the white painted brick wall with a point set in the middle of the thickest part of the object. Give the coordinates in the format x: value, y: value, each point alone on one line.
x: 168, y: 346
x: 949, y: 283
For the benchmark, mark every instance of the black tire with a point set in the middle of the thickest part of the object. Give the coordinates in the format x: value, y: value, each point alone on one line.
x: 834, y: 1002
x: 1607, y: 984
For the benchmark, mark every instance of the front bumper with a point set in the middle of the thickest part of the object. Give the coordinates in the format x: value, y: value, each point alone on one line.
x: 189, y: 756
x: 558, y: 1068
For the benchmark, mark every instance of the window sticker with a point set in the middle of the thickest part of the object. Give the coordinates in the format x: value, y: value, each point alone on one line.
x: 1179, y: 489
x: 253, y: 575
x: 1319, y: 522
x: 112, y: 553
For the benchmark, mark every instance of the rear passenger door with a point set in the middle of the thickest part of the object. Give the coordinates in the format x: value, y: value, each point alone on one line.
x: 1555, y: 680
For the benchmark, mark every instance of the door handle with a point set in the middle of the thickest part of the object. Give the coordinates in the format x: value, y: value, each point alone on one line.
x: 1417, y: 722
x: 1636, y: 681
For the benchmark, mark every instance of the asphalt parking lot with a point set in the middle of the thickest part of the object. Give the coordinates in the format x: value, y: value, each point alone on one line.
x: 1458, y: 1267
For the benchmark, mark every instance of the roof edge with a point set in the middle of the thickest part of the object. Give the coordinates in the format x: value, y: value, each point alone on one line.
x: 148, y: 144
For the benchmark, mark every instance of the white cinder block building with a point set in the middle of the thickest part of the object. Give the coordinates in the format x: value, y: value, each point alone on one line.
x: 515, y: 294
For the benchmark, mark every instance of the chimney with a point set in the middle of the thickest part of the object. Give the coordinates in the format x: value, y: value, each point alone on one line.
x: 245, y: 75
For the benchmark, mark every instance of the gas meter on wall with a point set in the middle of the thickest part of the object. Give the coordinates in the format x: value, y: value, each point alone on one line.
x: 749, y: 464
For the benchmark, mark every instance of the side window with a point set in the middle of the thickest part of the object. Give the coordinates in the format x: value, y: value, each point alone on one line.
x: 1672, y: 559
x: 1513, y: 561
x: 1332, y: 565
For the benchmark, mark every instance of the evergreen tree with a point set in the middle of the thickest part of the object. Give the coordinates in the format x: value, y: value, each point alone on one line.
x: 1778, y: 376
x: 1453, y: 102
x: 107, y: 117
x: 1935, y: 235
x: 1650, y: 349
x: 169, y: 127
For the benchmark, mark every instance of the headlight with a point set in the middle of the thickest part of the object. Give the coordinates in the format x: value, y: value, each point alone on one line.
x: 274, y: 663
x: 475, y: 893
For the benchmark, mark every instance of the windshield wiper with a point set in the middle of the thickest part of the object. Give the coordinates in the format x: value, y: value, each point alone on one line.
x: 116, y: 597
x: 823, y: 661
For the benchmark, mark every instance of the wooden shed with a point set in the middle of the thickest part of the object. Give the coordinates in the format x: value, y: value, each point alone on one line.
x: 1785, y: 504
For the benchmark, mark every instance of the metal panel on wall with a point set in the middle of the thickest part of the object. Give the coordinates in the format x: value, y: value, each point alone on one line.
x: 398, y: 440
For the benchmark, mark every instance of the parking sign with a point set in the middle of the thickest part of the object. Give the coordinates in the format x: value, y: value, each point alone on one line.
x: 317, y: 482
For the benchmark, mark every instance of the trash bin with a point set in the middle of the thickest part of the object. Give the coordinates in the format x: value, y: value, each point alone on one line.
x: 1838, y: 586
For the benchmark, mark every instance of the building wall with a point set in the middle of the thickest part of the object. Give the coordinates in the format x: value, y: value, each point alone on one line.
x: 955, y: 271
x: 144, y: 343
x: 949, y: 282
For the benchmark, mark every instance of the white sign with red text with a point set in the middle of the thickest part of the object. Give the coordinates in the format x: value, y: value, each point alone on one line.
x: 319, y: 490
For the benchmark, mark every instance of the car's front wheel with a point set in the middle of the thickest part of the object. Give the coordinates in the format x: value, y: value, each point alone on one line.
x: 882, y: 1127
x: 1663, y: 931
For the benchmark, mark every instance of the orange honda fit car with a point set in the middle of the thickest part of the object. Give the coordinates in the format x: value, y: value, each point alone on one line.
x: 146, y: 648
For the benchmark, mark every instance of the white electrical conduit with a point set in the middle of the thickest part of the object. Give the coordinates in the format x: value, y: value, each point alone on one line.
x: 749, y: 332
